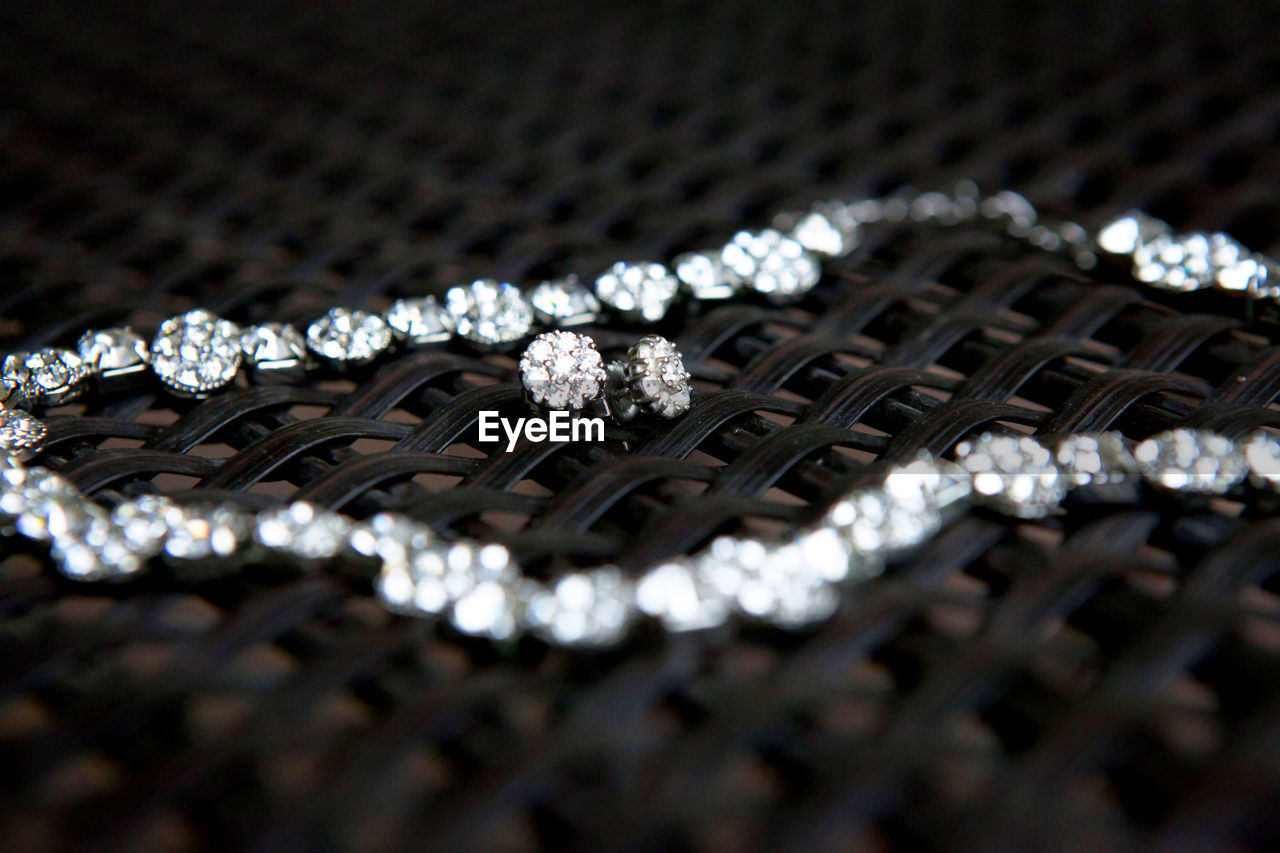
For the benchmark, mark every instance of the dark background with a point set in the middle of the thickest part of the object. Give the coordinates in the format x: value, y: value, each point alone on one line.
x: 1102, y: 680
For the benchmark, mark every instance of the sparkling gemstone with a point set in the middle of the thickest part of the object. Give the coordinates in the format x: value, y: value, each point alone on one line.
x: 113, y: 352
x: 196, y: 353
x: 1191, y: 461
x: 828, y: 229
x: 1257, y: 275
x: 393, y: 539
x: 562, y: 370
x: 20, y: 431
x: 420, y: 321
x: 42, y: 504
x: 145, y: 522
x: 489, y: 313
x: 350, y: 338
x: 201, y: 532
x: 582, y: 609
x: 1262, y: 453
x: 564, y: 302
x: 303, y: 530
x: 115, y: 545
x: 771, y: 263
x: 434, y: 576
x: 640, y: 292
x: 97, y: 552
x: 486, y: 610
x: 274, y: 351
x: 46, y: 377
x: 876, y: 522
x: 1013, y: 474
x: 656, y: 378
x: 777, y: 583
x: 675, y: 594
x: 705, y: 276
x: 1124, y: 234
x: 928, y: 483
x: 1185, y: 262
x: 1095, y: 459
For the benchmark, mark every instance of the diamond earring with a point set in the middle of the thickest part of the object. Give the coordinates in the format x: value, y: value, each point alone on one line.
x: 651, y: 381
x: 563, y: 370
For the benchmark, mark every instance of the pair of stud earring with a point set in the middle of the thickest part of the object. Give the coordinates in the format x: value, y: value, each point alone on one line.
x: 564, y: 370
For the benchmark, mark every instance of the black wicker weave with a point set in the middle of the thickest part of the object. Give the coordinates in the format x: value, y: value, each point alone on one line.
x: 1102, y: 680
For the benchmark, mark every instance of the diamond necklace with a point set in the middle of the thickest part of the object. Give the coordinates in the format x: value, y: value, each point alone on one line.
x: 791, y: 583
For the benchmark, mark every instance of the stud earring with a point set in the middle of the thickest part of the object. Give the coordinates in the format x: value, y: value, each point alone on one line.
x: 563, y: 370
x: 651, y: 381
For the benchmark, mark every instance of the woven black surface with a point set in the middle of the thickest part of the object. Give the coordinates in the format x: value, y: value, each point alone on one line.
x: 1106, y: 679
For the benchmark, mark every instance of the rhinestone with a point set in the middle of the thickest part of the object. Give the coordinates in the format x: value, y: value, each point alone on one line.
x: 1191, y: 461
x: 827, y: 555
x: 562, y: 370
x: 656, y: 378
x: 303, y: 530
x: 274, y: 351
x: 145, y: 522
x: 1124, y: 234
x: 564, y: 302
x: 705, y: 276
x: 420, y: 321
x: 1185, y: 262
x: 20, y: 431
x: 675, y: 594
x: 829, y: 229
x: 640, y: 292
x: 432, y: 577
x: 582, y: 609
x: 49, y: 376
x: 489, y: 313
x: 1013, y: 474
x: 348, y: 338
x: 1258, y: 275
x: 393, y: 539
x: 43, y: 504
x: 772, y: 264
x: 115, y: 545
x: 776, y: 583
x: 113, y: 352
x: 196, y: 353
x: 200, y: 532
x: 928, y: 483
x: 486, y: 610
x: 875, y: 522
x: 99, y: 551
x: 1095, y: 460
x: 1262, y: 452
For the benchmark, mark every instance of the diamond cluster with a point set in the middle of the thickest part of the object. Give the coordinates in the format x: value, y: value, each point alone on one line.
x: 489, y: 313
x: 46, y: 377
x: 1185, y: 262
x: 639, y: 292
x: 196, y: 353
x: 562, y: 370
x: 344, y: 337
x: 656, y: 377
x: 478, y: 588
